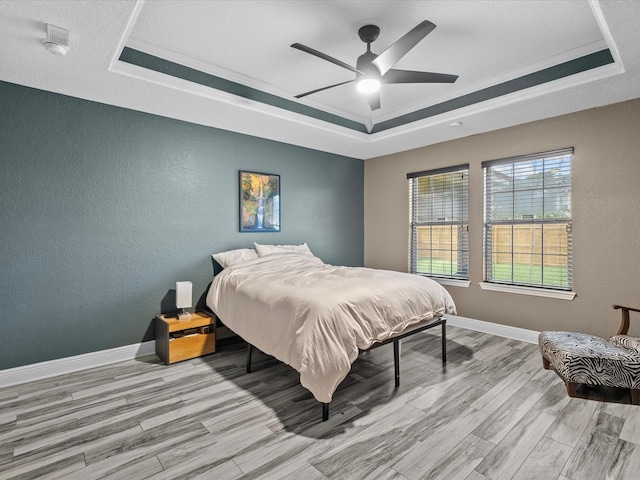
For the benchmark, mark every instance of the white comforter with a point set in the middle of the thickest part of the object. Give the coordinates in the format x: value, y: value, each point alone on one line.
x: 315, y: 316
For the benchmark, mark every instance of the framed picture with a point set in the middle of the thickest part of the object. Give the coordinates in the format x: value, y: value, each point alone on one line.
x: 259, y: 202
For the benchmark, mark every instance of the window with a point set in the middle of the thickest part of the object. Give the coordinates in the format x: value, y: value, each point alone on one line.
x: 527, y: 236
x: 439, y: 222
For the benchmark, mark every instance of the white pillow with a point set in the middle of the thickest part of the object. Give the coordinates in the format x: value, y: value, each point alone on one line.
x: 264, y: 250
x: 234, y: 257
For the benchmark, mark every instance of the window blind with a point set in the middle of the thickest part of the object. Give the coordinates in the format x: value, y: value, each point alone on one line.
x: 439, y: 217
x: 527, y: 230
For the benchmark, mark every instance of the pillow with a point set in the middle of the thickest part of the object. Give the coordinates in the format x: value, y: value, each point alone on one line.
x: 264, y: 250
x: 234, y: 257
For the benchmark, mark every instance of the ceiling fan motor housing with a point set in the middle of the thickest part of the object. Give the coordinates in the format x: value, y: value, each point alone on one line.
x: 367, y: 68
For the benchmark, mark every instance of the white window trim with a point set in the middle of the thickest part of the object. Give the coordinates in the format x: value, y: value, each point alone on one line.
x: 537, y: 292
x: 454, y: 282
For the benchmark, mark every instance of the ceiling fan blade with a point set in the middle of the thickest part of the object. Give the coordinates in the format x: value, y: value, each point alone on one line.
x: 323, y: 88
x: 324, y: 56
x: 395, y: 52
x: 374, y: 100
x: 409, y: 76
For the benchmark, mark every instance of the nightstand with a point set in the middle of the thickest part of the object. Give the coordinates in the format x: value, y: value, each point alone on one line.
x: 178, y: 340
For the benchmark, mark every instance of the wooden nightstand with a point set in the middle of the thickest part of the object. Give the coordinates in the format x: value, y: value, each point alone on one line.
x: 178, y: 340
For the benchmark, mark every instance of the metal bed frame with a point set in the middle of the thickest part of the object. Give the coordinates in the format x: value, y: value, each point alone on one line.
x: 419, y: 327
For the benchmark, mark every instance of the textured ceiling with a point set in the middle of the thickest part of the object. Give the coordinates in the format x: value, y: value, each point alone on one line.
x: 229, y: 64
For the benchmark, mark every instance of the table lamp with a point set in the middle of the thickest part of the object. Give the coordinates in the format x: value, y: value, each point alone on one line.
x: 183, y: 299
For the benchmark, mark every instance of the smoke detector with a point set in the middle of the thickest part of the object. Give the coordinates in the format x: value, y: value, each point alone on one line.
x: 57, y: 40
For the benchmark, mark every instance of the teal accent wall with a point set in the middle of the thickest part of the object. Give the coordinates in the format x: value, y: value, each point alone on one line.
x: 103, y: 209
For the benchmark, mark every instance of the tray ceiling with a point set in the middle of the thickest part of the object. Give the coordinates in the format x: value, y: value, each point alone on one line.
x: 229, y: 64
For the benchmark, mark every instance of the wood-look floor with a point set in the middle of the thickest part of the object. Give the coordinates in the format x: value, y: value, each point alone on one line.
x: 492, y: 413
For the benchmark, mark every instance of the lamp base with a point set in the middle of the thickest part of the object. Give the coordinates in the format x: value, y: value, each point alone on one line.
x: 184, y: 315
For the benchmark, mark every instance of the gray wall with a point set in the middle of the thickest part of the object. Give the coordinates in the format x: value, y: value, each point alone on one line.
x: 606, y: 216
x: 104, y: 209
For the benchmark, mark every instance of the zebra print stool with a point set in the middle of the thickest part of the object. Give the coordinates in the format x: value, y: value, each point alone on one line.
x: 585, y: 359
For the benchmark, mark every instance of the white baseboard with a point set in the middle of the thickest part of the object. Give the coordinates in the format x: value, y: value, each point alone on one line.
x: 51, y: 368
x: 515, y: 333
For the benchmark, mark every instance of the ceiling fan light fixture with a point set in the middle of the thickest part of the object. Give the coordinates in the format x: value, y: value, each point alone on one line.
x: 368, y: 85
x: 372, y: 70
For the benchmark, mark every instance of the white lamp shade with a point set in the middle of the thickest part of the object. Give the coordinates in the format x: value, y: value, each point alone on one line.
x: 183, y: 294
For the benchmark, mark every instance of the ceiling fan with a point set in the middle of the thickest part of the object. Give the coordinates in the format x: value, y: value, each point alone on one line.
x: 372, y: 70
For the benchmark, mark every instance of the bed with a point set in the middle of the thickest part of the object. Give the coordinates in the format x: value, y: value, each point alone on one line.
x: 317, y: 317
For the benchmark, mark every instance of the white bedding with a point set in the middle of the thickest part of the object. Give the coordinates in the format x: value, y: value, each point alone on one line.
x: 315, y: 316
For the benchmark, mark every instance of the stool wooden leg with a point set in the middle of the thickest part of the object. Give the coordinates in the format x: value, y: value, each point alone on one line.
x: 325, y: 412
x: 635, y: 396
x: 571, y: 388
x: 545, y: 363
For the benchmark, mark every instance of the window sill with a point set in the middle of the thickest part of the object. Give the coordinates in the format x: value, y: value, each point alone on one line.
x: 455, y: 282
x: 538, y: 292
